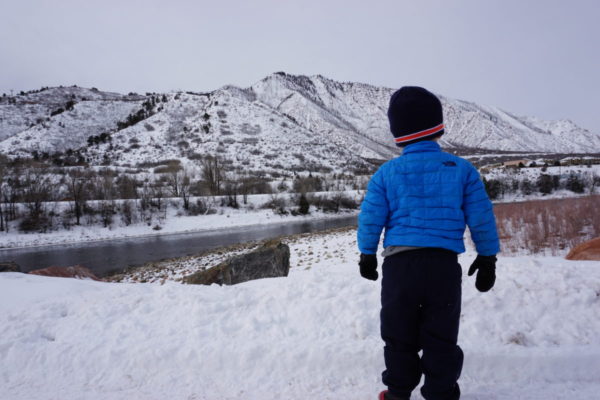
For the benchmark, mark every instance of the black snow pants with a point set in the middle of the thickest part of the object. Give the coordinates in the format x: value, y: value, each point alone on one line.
x: 420, y: 310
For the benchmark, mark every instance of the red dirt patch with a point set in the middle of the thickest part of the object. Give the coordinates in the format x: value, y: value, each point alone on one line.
x: 76, y: 271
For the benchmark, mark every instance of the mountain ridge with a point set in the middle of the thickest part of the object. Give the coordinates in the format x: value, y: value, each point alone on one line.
x: 330, y: 124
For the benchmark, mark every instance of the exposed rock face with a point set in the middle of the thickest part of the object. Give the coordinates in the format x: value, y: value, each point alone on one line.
x: 586, y: 251
x: 76, y: 271
x: 9, y: 266
x: 269, y: 261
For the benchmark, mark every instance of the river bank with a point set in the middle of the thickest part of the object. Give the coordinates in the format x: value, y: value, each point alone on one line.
x: 301, y: 255
x: 175, y: 222
x: 110, y: 256
x: 177, y: 225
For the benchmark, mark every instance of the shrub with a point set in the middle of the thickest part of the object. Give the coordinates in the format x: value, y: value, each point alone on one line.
x: 57, y: 111
x: 333, y: 203
x: 575, y: 184
x: 171, y: 167
x: 493, y: 187
x: 346, y: 201
x: 308, y: 184
x: 200, y: 207
x: 40, y: 223
x: 545, y: 184
x: 303, y: 205
x: 277, y: 204
x: 526, y: 186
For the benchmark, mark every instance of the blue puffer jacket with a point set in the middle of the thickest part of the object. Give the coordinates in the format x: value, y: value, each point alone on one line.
x: 424, y: 198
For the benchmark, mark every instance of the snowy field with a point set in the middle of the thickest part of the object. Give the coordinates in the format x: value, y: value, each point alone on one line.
x: 312, y: 335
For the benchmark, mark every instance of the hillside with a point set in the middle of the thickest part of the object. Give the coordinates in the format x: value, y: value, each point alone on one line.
x: 281, y: 123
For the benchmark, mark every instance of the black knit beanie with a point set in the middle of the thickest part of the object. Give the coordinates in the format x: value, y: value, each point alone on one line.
x: 415, y: 114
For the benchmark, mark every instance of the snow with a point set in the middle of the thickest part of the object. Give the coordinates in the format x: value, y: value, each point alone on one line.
x: 28, y: 124
x: 314, y: 334
x: 332, y: 124
x: 224, y: 218
x: 534, y: 173
x: 71, y: 129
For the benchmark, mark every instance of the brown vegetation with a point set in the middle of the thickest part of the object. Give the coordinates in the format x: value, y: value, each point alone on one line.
x: 554, y: 225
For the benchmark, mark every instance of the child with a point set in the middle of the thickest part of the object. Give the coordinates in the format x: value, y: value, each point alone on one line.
x: 424, y: 198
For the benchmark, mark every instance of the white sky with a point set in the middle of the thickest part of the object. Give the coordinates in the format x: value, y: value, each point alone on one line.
x: 539, y: 58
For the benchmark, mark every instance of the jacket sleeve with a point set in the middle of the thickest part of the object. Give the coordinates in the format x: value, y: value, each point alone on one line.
x: 373, y: 215
x: 479, y: 215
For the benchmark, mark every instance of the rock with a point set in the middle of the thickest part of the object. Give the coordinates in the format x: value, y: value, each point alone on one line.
x: 268, y: 261
x: 9, y: 266
x: 76, y: 271
x: 586, y: 251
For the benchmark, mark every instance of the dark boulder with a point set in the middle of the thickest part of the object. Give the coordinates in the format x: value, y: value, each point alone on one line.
x: 9, y: 266
x: 76, y: 271
x: 268, y: 261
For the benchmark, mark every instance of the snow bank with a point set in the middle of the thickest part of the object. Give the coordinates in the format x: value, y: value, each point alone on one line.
x: 312, y: 335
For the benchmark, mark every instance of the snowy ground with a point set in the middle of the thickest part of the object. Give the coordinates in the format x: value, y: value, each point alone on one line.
x: 312, y: 335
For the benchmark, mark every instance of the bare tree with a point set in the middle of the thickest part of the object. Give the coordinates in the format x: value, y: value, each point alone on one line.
x: 10, y: 191
x: 184, y: 190
x: 76, y: 183
x: 9, y: 197
x: 3, y: 173
x: 179, y: 184
x: 232, y: 187
x: 38, y: 190
x: 108, y: 193
x: 157, y: 193
x: 127, y: 187
x: 212, y: 174
x: 174, y: 183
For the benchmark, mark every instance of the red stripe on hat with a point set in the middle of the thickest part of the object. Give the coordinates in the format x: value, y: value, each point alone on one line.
x: 421, y: 134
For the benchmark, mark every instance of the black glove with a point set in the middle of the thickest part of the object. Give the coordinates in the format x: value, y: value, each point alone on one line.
x: 368, y: 266
x: 486, y: 272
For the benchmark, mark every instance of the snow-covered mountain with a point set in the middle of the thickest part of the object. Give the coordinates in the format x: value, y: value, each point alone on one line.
x: 62, y: 114
x: 354, y: 113
x: 281, y: 122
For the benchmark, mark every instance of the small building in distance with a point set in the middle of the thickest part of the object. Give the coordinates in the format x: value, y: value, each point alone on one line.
x: 516, y: 163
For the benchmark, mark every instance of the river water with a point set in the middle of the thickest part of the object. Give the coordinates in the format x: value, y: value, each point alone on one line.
x: 109, y: 256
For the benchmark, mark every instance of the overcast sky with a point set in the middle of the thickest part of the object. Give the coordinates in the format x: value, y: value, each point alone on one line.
x: 539, y: 58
